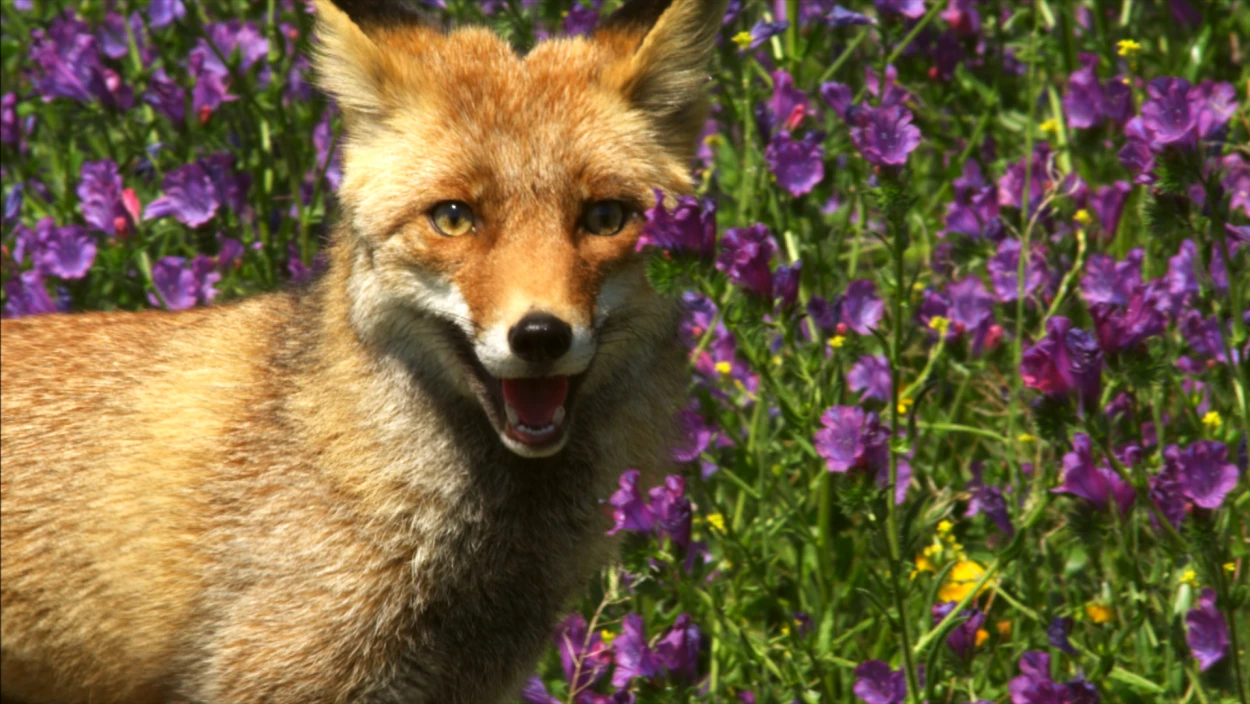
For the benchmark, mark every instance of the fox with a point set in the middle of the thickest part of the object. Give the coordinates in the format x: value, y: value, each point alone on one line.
x: 383, y: 486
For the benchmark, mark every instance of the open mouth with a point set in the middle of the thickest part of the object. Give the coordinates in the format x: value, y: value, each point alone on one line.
x: 532, y: 414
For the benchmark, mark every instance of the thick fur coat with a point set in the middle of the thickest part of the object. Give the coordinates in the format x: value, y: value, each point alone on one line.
x: 306, y: 496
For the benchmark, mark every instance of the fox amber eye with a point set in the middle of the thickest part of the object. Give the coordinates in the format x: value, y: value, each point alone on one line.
x: 452, y: 218
x: 604, y: 217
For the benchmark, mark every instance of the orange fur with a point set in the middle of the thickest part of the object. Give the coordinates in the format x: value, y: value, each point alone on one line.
x: 298, y: 497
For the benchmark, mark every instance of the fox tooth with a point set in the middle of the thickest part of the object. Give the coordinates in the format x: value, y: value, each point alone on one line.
x: 558, y: 418
x: 513, y: 418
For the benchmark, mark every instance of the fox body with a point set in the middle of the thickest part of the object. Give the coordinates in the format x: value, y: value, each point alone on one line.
x: 383, y: 486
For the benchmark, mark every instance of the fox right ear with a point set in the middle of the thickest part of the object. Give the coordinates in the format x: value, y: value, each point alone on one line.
x: 665, y: 48
x: 365, y: 54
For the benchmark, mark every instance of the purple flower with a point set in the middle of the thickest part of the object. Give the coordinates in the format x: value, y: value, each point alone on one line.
x: 630, y: 509
x: 162, y: 13
x: 13, y: 202
x: 583, y: 655
x: 1057, y: 634
x: 1109, y: 281
x: 1081, y: 104
x: 911, y: 9
x: 672, y: 510
x: 10, y: 131
x: 1095, y: 483
x: 180, y: 287
x: 876, y: 683
x: 231, y: 187
x: 851, y: 439
x: 634, y: 658
x: 974, y: 212
x: 100, y: 190
x: 963, y: 638
x: 841, y: 17
x: 66, y: 252
x: 68, y: 65
x: 763, y: 31
x: 689, y: 227
x: 1108, y: 204
x: 871, y: 374
x: 190, y: 196
x: 1011, y: 183
x: 1034, y: 685
x: 1206, y: 476
x: 1237, y: 182
x: 535, y: 692
x: 786, y: 283
x: 988, y: 500
x: 1181, y: 276
x: 745, y: 254
x: 112, y: 34
x: 678, y: 650
x: 27, y: 295
x: 963, y: 17
x: 1171, y: 114
x: 1004, y: 268
x: 1204, y: 336
x: 837, y: 96
x: 1064, y: 360
x: 788, y: 104
x: 696, y: 434
x: 1166, y: 491
x: 166, y: 97
x: 861, y: 309
x: 797, y: 165
x: 1208, y: 631
x: 580, y: 20
x: 210, y: 91
x: 1120, y: 328
x: 885, y: 135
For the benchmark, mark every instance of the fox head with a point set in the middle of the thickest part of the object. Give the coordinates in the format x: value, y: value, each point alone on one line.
x: 493, y: 201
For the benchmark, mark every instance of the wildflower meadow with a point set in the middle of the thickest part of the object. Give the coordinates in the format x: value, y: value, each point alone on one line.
x: 967, y: 290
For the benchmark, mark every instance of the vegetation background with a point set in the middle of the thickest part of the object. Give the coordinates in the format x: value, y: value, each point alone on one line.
x: 988, y: 258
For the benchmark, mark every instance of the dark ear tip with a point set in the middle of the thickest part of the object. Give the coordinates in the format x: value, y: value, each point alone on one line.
x: 381, y: 13
x: 636, y: 14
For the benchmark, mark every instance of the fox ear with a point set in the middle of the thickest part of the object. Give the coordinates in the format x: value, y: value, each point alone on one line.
x: 666, y: 46
x: 365, y: 53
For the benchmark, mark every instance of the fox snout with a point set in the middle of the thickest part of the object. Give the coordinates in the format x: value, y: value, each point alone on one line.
x: 540, y: 338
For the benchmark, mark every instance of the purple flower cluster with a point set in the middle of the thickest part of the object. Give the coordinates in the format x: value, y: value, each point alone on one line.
x: 1067, y: 359
x: 963, y: 638
x: 1097, y: 483
x: 194, y: 192
x: 854, y: 440
x: 876, y: 683
x: 1207, y: 634
x: 586, y: 658
x: 1089, y: 101
x: 180, y: 285
x: 1201, y: 475
x: 689, y: 227
x: 69, y: 63
x: 1177, y: 115
x: 1035, y: 686
x: 665, y: 511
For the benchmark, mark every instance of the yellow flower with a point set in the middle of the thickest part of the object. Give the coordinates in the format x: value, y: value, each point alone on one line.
x: 1189, y: 577
x: 1004, y: 628
x: 960, y: 580
x: 608, y: 636
x: 837, y: 341
x: 1230, y: 567
x: 716, y: 521
x: 1082, y: 216
x: 940, y: 324
x: 714, y: 139
x: 1099, y: 613
x: 777, y: 360
x: 944, y: 528
x: 1026, y: 437
x: 923, y: 564
x: 982, y: 636
x: 723, y: 368
x: 904, y: 404
x: 743, y: 40
x: 1127, y: 47
x: 1051, y: 125
x: 1212, y: 420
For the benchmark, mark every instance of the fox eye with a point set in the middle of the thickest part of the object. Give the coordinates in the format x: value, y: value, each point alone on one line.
x: 452, y: 218
x: 604, y: 217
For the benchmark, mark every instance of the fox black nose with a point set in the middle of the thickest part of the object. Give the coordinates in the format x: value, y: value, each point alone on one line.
x: 540, y: 337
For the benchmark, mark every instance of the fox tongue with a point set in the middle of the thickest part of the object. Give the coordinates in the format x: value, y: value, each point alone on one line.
x: 536, y: 400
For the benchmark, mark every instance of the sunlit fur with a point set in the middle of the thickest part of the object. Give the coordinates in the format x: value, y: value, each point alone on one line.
x: 299, y: 497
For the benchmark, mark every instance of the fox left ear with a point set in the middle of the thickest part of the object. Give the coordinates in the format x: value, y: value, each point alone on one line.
x: 366, y: 51
x: 666, y: 46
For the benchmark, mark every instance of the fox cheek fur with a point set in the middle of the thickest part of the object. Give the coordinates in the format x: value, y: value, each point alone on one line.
x: 382, y: 487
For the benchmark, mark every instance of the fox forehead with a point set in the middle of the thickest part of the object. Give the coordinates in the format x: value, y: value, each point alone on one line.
x: 506, y: 131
